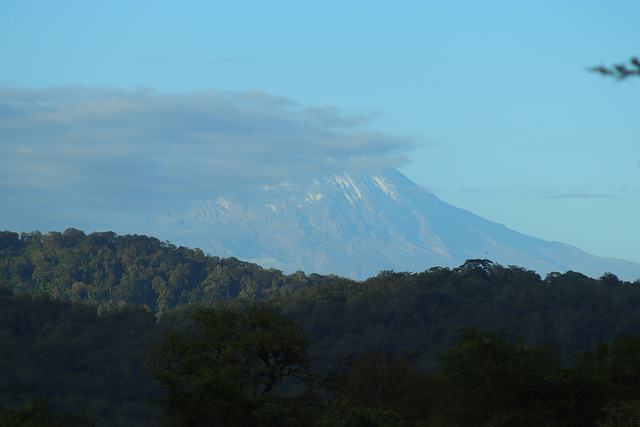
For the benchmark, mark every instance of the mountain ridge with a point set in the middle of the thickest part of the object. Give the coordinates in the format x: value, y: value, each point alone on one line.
x: 356, y: 224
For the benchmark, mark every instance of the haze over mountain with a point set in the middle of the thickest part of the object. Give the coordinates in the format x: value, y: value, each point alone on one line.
x: 356, y: 224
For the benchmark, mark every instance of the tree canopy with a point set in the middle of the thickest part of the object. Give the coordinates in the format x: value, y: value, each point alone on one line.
x: 227, y: 364
x: 81, y: 316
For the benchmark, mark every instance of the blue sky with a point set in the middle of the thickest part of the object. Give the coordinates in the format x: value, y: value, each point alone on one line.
x: 487, y: 104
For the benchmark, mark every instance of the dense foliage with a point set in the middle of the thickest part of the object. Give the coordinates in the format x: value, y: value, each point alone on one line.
x: 405, y: 313
x: 119, y: 330
x: 80, y: 362
x: 227, y: 368
x: 110, y: 271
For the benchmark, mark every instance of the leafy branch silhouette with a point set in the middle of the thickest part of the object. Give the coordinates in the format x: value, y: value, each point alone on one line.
x: 619, y: 71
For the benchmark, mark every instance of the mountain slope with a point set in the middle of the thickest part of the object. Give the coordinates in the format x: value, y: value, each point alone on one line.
x: 356, y: 224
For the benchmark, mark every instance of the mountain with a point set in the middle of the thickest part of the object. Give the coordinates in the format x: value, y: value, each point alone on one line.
x: 356, y: 224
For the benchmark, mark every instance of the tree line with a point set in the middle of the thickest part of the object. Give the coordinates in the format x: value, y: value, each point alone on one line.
x: 480, y: 344
x: 247, y: 364
x: 109, y: 271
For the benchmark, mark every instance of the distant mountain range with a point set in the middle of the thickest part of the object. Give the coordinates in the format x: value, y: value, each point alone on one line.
x: 356, y: 224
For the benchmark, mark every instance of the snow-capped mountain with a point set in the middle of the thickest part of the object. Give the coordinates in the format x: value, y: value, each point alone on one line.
x: 356, y: 224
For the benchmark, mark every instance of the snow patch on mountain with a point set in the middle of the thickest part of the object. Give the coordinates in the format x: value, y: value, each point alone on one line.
x: 386, y: 187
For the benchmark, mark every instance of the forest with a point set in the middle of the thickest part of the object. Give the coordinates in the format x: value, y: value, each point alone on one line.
x: 102, y: 329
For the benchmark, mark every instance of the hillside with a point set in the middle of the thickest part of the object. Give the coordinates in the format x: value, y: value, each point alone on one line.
x: 86, y: 353
x: 109, y: 271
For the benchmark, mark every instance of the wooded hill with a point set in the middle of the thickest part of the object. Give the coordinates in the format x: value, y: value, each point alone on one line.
x: 105, y: 300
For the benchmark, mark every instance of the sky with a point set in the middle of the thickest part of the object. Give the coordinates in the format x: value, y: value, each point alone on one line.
x: 113, y: 109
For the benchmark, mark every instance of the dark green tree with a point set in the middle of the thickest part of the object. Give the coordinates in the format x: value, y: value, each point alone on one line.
x: 621, y: 413
x: 229, y: 364
x: 486, y: 380
x: 380, y: 388
x: 615, y: 368
x: 38, y: 413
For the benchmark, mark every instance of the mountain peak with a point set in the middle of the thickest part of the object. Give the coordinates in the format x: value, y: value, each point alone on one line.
x: 356, y: 224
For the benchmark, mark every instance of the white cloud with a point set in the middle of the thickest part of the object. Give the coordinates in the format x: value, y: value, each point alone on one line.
x: 115, y: 150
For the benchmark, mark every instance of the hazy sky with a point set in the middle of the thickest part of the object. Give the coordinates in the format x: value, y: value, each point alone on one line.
x: 135, y: 106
